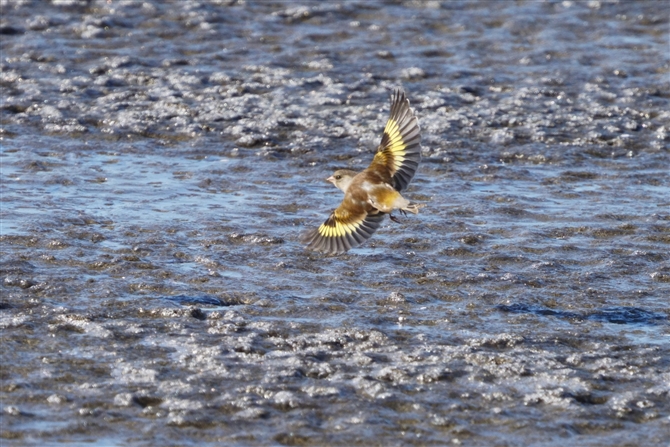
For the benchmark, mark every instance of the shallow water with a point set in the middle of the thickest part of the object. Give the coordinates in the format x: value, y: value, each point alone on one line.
x: 159, y: 163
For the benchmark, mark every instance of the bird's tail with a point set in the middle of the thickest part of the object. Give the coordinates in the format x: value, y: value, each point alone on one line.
x: 414, y: 208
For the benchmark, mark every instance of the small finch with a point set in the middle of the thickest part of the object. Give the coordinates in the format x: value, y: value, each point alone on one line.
x: 375, y: 192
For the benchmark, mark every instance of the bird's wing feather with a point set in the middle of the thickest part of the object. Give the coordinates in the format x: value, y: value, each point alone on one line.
x: 400, y: 149
x: 343, y: 230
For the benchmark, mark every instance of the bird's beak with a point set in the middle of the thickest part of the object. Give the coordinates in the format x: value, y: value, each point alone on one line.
x: 331, y: 179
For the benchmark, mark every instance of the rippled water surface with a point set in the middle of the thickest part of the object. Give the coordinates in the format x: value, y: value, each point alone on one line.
x: 159, y: 161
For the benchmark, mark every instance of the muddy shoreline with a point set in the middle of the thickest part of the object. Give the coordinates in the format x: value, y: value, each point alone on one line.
x: 160, y: 161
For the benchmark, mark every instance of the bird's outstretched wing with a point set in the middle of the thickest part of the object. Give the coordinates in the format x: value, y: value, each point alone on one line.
x: 343, y: 230
x: 400, y: 149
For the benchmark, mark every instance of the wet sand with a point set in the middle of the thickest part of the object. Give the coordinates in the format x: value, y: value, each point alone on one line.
x: 159, y: 163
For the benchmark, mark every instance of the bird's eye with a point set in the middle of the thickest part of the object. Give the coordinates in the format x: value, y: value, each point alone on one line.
x: 337, y: 177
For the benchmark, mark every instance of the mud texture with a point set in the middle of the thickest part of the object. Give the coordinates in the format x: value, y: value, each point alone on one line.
x: 159, y: 161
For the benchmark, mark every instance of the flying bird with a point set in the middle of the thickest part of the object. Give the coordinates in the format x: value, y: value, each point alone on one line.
x: 374, y: 192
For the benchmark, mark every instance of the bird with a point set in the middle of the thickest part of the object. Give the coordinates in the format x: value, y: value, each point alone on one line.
x: 375, y: 192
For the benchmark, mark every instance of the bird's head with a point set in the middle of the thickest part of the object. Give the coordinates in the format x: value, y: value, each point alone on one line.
x: 342, y: 179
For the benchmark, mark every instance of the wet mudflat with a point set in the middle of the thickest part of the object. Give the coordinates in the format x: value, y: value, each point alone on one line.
x: 159, y: 162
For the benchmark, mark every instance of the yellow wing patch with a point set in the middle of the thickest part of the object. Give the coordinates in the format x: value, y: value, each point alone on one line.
x: 395, y: 145
x: 343, y: 231
x: 340, y: 223
x: 399, y: 152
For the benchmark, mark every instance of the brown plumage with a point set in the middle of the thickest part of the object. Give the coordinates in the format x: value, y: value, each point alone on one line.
x: 375, y: 192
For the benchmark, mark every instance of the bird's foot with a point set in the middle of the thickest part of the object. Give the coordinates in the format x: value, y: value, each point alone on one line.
x: 394, y: 219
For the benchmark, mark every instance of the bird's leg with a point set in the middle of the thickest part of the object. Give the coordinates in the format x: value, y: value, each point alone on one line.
x: 394, y: 219
x: 404, y: 213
